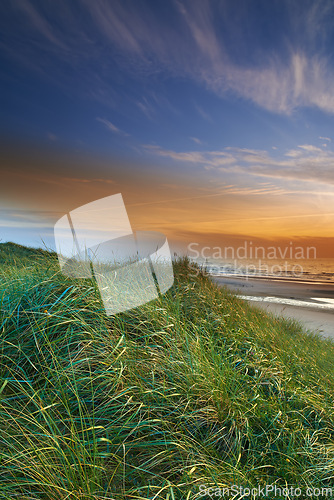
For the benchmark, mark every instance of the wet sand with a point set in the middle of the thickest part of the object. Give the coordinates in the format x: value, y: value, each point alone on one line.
x: 310, y: 303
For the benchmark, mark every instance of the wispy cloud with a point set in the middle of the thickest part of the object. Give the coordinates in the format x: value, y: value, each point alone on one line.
x: 211, y: 158
x: 146, y: 108
x: 310, y: 148
x: 153, y: 104
x: 325, y: 139
x: 93, y: 180
x: 195, y: 139
x: 305, y: 163
x: 110, y: 126
x: 293, y: 73
x: 204, y: 114
x: 40, y: 23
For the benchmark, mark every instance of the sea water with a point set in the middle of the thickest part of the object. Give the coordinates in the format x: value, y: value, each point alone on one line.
x: 296, y: 270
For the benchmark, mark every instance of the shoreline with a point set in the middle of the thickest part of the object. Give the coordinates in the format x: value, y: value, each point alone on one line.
x: 310, y: 303
x: 273, y: 279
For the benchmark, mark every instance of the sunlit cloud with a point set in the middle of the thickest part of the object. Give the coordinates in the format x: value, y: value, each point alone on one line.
x: 325, y: 138
x: 305, y: 163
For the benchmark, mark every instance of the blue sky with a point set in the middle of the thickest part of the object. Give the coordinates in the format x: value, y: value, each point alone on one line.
x: 236, y: 97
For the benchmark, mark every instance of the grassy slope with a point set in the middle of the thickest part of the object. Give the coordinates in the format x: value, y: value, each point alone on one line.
x: 194, y: 388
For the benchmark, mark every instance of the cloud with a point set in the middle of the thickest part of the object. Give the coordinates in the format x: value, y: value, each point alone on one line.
x: 87, y: 181
x: 279, y: 86
x: 310, y: 148
x: 218, y: 45
x: 246, y: 191
x: 203, y: 113
x: 110, y: 126
x: 195, y: 139
x: 189, y: 157
x: 146, y: 108
x: 305, y: 163
x: 40, y: 23
x: 211, y: 158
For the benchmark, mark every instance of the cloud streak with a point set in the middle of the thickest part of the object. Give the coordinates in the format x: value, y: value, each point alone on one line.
x: 110, y: 126
x: 198, y: 40
x: 305, y: 163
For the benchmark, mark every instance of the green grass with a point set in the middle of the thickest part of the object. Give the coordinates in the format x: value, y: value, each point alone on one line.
x: 194, y: 388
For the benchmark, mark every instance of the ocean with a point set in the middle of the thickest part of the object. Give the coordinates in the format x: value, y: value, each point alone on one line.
x: 293, y: 270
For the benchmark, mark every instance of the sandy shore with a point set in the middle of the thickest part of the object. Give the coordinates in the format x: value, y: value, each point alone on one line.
x: 311, y: 303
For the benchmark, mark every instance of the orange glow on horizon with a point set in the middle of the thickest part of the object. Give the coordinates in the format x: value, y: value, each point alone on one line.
x: 182, y: 207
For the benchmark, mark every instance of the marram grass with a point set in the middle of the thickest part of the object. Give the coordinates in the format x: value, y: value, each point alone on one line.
x: 194, y: 388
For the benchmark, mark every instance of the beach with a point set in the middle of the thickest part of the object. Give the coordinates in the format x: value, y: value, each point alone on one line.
x: 309, y: 302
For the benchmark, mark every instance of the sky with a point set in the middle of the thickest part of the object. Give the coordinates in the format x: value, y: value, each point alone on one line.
x: 214, y: 119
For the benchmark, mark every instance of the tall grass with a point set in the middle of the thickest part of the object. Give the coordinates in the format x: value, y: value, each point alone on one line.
x: 194, y: 388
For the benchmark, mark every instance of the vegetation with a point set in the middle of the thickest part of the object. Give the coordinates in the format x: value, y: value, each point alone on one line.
x: 194, y: 388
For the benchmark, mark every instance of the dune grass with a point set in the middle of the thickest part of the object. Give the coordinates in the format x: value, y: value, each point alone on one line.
x: 194, y: 388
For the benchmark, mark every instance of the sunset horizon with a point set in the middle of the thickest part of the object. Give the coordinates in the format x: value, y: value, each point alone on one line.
x: 190, y: 210
x: 212, y: 132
